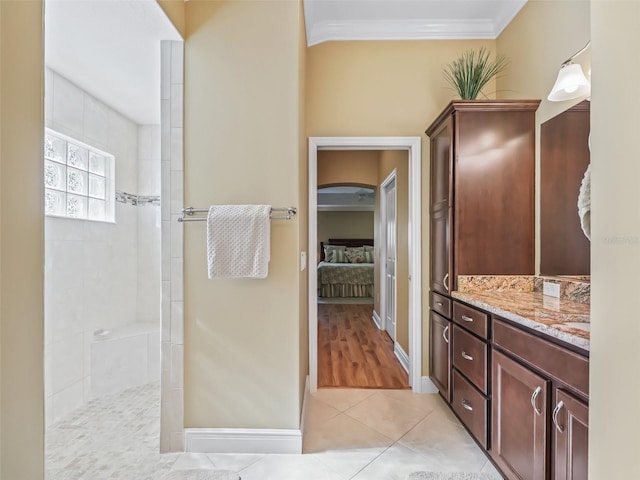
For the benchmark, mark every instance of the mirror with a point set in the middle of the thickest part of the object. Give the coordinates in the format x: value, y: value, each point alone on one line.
x: 564, y: 161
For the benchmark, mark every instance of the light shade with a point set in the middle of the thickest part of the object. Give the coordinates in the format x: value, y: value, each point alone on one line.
x: 571, y: 83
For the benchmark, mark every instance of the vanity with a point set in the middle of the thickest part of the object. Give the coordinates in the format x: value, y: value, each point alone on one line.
x: 512, y: 363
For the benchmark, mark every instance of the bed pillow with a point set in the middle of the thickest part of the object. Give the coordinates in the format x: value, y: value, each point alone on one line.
x: 335, y: 254
x: 368, y: 254
x: 355, y: 254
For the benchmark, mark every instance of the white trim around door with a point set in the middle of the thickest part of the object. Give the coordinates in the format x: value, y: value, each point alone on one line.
x: 413, y: 146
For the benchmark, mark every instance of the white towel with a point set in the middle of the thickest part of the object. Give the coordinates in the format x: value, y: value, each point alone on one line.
x: 238, y: 241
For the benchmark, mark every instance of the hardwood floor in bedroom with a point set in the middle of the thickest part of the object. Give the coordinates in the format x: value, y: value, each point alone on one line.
x: 353, y: 352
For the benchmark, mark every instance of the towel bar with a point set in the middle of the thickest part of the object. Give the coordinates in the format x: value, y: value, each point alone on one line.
x: 188, y: 211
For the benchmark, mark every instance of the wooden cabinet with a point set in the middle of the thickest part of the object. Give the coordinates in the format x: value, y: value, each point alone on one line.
x: 482, y: 190
x: 520, y: 403
x: 440, y: 354
x: 570, y: 419
x: 440, y: 206
x: 539, y: 413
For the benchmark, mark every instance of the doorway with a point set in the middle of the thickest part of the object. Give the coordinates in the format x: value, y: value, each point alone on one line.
x: 411, y: 145
x: 389, y: 253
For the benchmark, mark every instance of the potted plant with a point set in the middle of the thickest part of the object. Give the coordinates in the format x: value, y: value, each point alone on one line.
x: 472, y: 70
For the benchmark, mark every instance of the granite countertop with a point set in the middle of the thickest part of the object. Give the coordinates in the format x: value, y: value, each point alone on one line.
x: 561, y: 319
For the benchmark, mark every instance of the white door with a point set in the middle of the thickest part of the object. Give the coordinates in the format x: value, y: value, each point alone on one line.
x: 389, y: 225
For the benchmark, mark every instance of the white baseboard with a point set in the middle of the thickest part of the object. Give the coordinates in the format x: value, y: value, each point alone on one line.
x: 428, y: 386
x: 402, y: 356
x: 242, y: 440
x: 377, y: 320
x: 305, y: 399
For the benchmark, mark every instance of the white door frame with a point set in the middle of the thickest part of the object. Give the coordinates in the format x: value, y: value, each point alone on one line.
x: 383, y: 249
x: 413, y: 146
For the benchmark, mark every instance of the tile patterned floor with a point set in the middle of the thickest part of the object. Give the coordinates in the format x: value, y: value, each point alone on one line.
x: 349, y: 434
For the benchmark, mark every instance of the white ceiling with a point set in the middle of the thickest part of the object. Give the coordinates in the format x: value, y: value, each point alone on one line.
x: 111, y: 49
x: 407, y: 19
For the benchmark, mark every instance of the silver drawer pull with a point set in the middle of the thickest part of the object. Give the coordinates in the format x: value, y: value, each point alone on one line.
x: 445, y: 282
x: 439, y: 304
x: 466, y: 356
x: 554, y: 416
x: 466, y: 405
x: 444, y: 334
x: 534, y: 397
x: 467, y: 319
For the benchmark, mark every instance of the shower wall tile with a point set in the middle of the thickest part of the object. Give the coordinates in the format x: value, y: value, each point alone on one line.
x: 67, y: 400
x: 177, y: 324
x: 117, y: 365
x: 48, y: 364
x: 177, y: 237
x: 96, y: 122
x: 68, y: 106
x: 166, y: 312
x: 153, y: 359
x: 165, y: 129
x: 165, y: 195
x: 176, y: 105
x: 48, y: 95
x: 176, y: 280
x: 66, y: 362
x: 165, y: 72
x: 177, y: 161
x: 177, y: 192
x: 149, y: 142
x: 87, y: 264
x: 172, y: 154
x: 177, y: 63
x: 177, y: 367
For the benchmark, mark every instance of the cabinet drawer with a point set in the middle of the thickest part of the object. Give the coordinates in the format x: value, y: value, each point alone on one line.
x: 471, y: 319
x: 471, y: 406
x: 441, y: 304
x: 470, y: 357
x: 556, y: 362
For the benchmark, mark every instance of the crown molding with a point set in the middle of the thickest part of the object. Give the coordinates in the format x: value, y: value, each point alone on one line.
x: 443, y: 29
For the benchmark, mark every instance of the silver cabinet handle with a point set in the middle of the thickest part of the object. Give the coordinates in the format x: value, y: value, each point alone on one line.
x: 554, y: 416
x: 534, y: 397
x: 444, y: 334
x: 466, y: 405
x: 466, y: 356
x: 467, y: 319
x: 445, y: 282
x: 439, y: 304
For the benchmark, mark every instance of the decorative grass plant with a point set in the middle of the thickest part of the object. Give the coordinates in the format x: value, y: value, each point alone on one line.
x: 472, y: 70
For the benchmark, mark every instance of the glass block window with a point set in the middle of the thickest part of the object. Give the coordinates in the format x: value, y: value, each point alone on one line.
x: 78, y: 179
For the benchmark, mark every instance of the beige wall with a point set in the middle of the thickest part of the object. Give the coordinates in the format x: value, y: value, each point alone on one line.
x: 242, y: 145
x: 542, y: 36
x: 303, y: 208
x: 175, y: 11
x: 344, y: 225
x: 383, y: 88
x: 388, y: 161
x: 614, y: 443
x: 21, y: 241
x: 355, y: 167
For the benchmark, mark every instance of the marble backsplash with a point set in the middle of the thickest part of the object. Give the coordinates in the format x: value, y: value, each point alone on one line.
x: 574, y: 290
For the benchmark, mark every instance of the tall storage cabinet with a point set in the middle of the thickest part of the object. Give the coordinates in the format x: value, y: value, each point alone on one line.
x: 482, y: 190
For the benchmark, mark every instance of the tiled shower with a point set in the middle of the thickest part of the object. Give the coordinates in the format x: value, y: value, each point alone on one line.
x: 102, y: 279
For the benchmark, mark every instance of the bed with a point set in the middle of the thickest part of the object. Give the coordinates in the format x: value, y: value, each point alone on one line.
x: 346, y: 268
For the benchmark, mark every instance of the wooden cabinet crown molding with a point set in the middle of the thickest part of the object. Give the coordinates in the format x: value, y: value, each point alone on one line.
x: 482, y: 106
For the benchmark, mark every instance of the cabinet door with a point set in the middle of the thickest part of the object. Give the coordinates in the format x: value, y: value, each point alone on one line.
x: 440, y: 354
x: 440, y: 262
x: 520, y: 408
x: 571, y: 430
x: 440, y: 208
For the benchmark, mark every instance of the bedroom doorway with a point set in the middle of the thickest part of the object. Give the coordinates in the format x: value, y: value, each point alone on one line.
x: 352, y: 332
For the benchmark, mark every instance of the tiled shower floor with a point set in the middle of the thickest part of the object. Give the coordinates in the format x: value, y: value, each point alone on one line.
x: 350, y: 434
